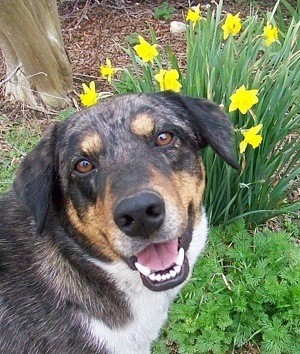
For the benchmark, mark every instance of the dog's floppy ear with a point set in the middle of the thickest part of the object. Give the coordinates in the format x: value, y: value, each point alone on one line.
x: 210, y: 124
x: 35, y: 178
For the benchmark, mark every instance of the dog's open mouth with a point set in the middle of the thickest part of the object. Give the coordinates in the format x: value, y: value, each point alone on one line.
x: 162, y: 266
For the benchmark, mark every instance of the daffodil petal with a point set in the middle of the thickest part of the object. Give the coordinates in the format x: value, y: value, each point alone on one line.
x: 243, y: 145
x: 243, y: 99
x: 255, y: 141
x: 92, y: 86
x: 85, y: 88
x: 232, y: 25
x: 256, y: 129
x: 232, y: 107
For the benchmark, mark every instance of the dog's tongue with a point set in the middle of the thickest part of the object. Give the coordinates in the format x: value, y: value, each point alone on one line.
x: 159, y: 256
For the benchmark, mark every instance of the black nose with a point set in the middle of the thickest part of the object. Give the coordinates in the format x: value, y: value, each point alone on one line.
x: 140, y: 215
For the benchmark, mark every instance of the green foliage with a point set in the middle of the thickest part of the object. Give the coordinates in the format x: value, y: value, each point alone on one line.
x: 215, y: 69
x: 293, y: 11
x: 125, y: 84
x: 6, y: 171
x: 260, y: 190
x: 66, y: 113
x: 132, y: 39
x: 245, y: 289
x: 164, y: 11
x: 285, y: 12
x: 20, y: 138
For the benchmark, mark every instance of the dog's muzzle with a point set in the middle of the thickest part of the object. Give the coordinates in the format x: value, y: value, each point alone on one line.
x: 162, y: 265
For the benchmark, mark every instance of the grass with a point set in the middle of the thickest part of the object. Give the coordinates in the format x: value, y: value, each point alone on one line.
x: 19, y: 138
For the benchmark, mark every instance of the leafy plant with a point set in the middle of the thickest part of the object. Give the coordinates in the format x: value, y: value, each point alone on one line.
x: 66, y: 113
x: 293, y: 11
x: 20, y: 138
x: 132, y: 39
x: 216, y: 69
x: 244, y: 290
x: 164, y: 11
x: 285, y: 12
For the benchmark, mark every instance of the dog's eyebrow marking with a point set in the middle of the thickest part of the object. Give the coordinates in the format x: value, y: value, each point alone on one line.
x: 142, y: 125
x: 91, y: 144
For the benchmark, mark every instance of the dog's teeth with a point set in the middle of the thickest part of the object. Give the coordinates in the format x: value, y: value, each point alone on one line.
x: 152, y: 276
x: 172, y: 273
x: 180, y: 257
x: 144, y: 270
x: 177, y: 269
x: 158, y: 277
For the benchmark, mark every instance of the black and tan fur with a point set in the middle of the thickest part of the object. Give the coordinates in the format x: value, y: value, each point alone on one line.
x: 68, y: 281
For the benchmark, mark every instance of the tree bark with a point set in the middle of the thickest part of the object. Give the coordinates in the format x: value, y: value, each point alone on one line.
x: 31, y: 39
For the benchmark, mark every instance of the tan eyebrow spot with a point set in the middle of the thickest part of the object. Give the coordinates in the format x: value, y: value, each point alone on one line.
x: 142, y: 125
x: 91, y: 144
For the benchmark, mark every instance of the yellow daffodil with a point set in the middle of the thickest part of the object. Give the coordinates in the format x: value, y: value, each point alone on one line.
x: 243, y: 99
x: 194, y: 15
x: 107, y: 70
x: 232, y: 25
x: 90, y: 96
x: 168, y: 80
x: 251, y: 137
x: 146, y: 51
x: 270, y: 34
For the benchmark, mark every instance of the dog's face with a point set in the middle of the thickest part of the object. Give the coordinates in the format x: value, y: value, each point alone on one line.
x: 127, y: 179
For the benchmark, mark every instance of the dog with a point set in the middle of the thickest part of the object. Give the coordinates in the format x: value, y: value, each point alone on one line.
x: 104, y: 224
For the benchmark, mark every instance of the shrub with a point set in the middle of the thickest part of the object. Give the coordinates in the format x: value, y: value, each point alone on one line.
x: 164, y: 11
x: 216, y: 68
x: 245, y: 290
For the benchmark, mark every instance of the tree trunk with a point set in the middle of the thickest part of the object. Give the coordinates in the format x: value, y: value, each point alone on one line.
x: 31, y: 40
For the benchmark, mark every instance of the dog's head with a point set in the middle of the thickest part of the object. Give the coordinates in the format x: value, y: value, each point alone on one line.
x: 126, y: 179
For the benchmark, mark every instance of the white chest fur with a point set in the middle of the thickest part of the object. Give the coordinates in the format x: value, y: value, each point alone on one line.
x: 149, y: 309
x: 149, y: 314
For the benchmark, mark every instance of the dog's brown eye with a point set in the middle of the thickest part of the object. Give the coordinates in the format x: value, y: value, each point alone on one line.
x: 84, y: 166
x: 164, y: 139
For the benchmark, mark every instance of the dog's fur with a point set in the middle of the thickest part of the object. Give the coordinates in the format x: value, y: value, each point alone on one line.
x: 68, y: 279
